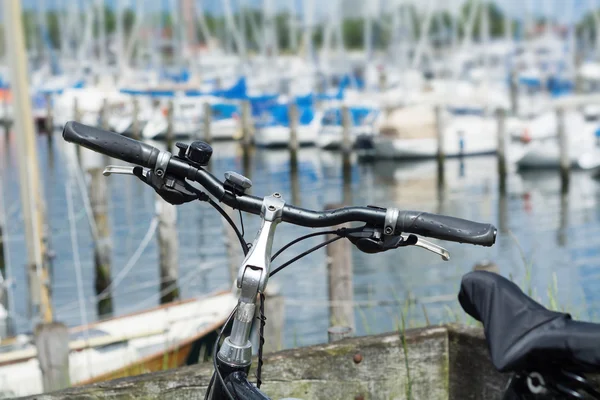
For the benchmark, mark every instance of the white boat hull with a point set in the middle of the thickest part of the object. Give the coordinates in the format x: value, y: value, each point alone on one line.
x: 463, y: 137
x: 279, y: 136
x: 137, y: 337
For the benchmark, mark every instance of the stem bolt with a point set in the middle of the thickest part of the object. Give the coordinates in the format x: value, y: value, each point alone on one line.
x: 271, y: 208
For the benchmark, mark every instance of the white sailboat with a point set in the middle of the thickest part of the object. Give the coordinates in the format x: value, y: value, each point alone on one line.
x: 145, y: 341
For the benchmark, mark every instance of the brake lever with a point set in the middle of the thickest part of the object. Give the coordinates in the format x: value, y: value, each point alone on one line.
x: 172, y: 190
x: 414, y: 240
x: 370, y: 240
x: 122, y: 170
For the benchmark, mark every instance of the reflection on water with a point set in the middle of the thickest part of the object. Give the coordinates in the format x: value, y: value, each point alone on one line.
x: 554, y: 233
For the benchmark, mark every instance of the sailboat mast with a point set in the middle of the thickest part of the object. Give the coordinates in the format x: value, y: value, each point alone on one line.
x: 308, y: 28
x: 120, y: 42
x: 293, y: 34
x: 102, y: 32
x: 368, y: 31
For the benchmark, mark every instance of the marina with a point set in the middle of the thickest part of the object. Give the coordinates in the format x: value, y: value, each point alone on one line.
x: 492, y: 115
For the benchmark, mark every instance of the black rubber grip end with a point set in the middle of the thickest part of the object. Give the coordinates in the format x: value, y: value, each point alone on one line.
x: 111, y: 144
x: 448, y: 228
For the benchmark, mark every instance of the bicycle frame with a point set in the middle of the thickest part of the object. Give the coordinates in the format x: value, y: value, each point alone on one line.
x: 235, y: 355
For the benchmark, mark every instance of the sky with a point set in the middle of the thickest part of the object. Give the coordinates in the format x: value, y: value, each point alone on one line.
x: 558, y: 9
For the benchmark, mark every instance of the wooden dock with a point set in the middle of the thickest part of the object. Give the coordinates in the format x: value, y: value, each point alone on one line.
x: 434, y: 363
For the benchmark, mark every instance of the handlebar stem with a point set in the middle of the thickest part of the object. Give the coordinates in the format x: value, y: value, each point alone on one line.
x: 252, y: 279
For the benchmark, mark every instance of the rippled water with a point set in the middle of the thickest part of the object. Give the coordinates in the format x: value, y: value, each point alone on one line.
x: 557, y: 235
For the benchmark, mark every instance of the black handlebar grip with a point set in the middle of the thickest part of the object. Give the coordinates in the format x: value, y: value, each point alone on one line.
x: 448, y: 228
x: 111, y: 144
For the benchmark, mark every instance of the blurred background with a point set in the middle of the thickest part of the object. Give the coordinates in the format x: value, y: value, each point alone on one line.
x: 485, y: 110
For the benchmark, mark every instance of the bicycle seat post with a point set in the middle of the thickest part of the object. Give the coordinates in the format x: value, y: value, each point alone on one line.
x: 253, y: 275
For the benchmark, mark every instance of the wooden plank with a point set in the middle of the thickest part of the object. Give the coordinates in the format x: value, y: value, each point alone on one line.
x: 327, y: 371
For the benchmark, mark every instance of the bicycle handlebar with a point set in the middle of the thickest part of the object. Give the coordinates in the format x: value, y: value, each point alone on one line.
x: 429, y: 225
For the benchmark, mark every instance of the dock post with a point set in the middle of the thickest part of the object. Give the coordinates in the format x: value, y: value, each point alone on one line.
x: 339, y: 279
x: 169, y: 136
x: 441, y: 155
x: 49, y: 117
x: 246, y: 136
x: 168, y: 245
x: 514, y: 93
x: 232, y: 245
x: 207, y: 122
x: 6, y: 120
x: 77, y: 117
x: 565, y: 161
x: 135, y: 123
x: 293, y: 121
x: 103, y: 244
x: 275, y: 314
x: 346, y: 153
x: 246, y: 131
x: 104, y: 115
x: 52, y: 343
x: 501, y: 151
x: 382, y: 80
x: 31, y: 189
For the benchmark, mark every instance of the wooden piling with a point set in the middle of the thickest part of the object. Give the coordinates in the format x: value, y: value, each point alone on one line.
x: 169, y: 136
x: 293, y: 121
x: 104, y: 115
x: 293, y: 147
x: 168, y: 245
x: 52, y: 343
x: 514, y: 93
x: 441, y: 155
x: 77, y: 117
x: 32, y: 198
x: 103, y: 244
x: 275, y: 314
x: 294, y: 180
x: 207, y: 122
x: 246, y: 137
x: 563, y: 228
x: 339, y: 278
x: 246, y: 124
x: 49, y: 116
x: 6, y: 120
x: 501, y: 150
x: 565, y: 161
x: 135, y: 124
x: 235, y: 254
x: 346, y: 154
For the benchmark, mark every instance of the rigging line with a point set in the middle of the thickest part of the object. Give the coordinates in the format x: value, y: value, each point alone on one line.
x: 132, y: 261
x: 85, y: 197
x: 78, y: 273
x: 93, y: 299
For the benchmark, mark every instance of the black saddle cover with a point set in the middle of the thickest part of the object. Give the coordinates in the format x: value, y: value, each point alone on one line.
x: 522, y: 334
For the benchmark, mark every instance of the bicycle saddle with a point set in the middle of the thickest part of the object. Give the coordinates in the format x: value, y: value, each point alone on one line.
x: 522, y: 334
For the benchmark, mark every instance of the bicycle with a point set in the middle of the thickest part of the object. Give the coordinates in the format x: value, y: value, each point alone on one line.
x: 169, y: 175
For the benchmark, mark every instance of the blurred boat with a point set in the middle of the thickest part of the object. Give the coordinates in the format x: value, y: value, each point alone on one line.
x: 413, y: 136
x: 164, y: 337
x: 363, y: 122
x: 272, y: 128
